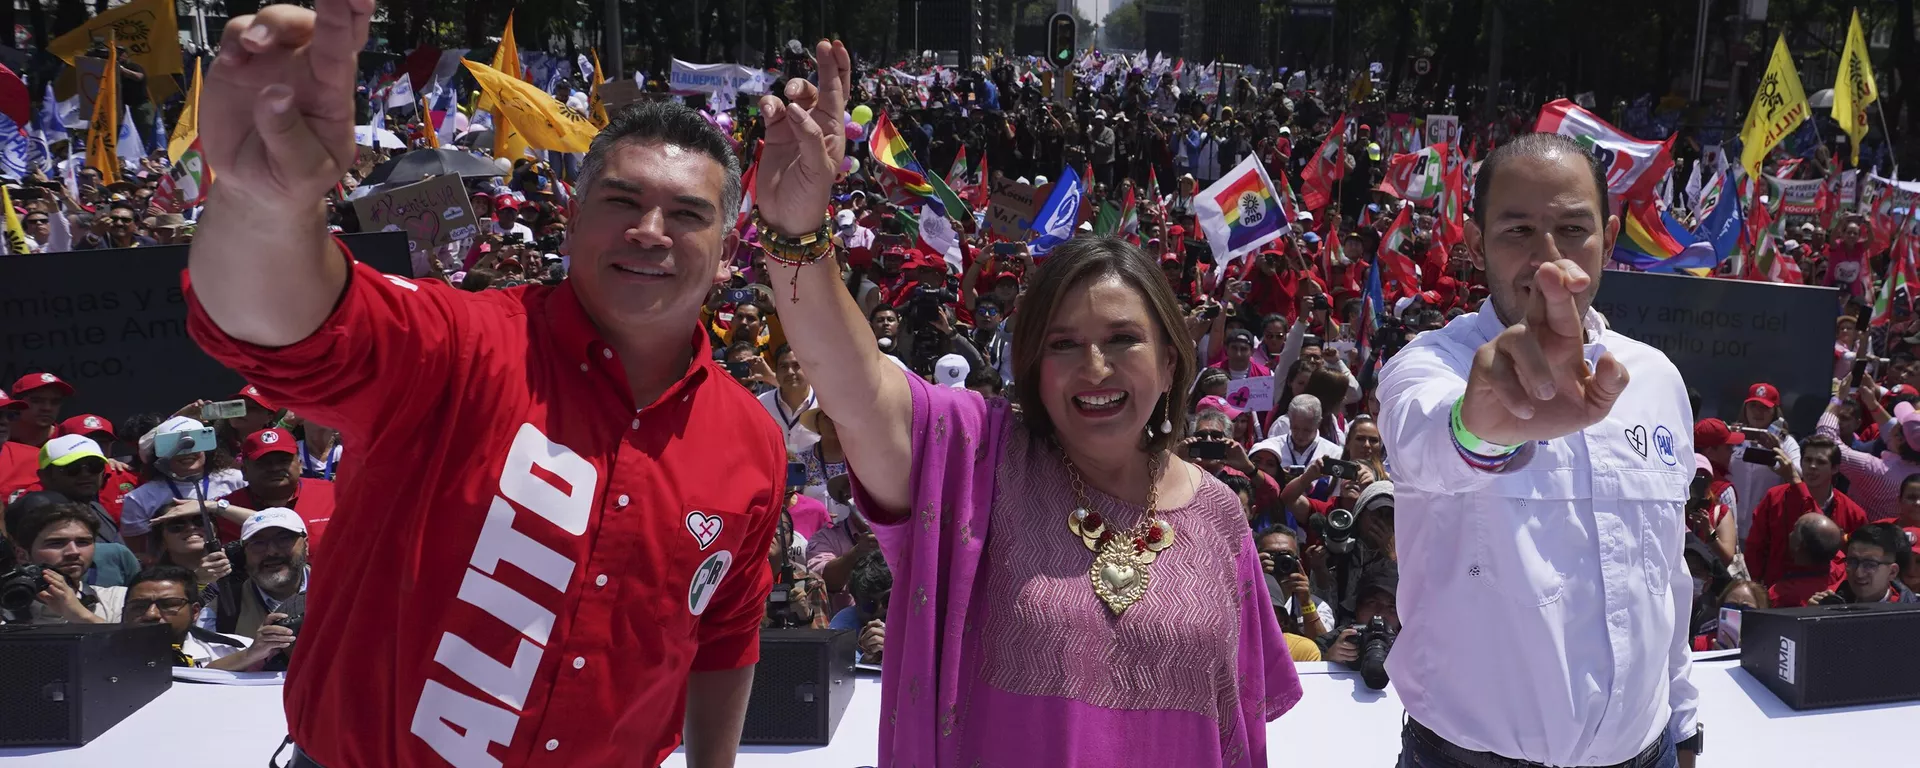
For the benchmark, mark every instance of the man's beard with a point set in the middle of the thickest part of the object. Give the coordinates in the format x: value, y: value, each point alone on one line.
x: 279, y: 578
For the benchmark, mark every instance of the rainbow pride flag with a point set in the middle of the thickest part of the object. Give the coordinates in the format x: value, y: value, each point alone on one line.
x: 1652, y: 240
x: 1241, y: 211
x: 907, y: 183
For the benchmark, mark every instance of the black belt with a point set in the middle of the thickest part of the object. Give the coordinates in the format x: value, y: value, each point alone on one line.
x: 1468, y: 757
x: 300, y: 760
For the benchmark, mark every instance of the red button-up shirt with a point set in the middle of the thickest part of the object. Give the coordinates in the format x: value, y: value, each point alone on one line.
x: 1766, y: 546
x: 526, y: 565
x: 312, y: 500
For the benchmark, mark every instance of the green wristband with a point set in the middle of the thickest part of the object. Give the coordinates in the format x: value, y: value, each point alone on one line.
x: 1473, y: 443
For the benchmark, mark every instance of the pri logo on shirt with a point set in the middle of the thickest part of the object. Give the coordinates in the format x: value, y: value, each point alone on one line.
x: 706, y: 581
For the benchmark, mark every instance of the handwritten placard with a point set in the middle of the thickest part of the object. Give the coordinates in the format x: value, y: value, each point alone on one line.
x: 432, y: 213
x: 1254, y: 393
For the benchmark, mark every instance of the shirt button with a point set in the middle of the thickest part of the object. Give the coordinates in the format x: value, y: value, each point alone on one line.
x: 553, y: 744
x: 607, y: 353
x: 622, y: 501
x: 636, y: 423
x: 579, y: 661
x: 600, y: 581
x: 583, y: 367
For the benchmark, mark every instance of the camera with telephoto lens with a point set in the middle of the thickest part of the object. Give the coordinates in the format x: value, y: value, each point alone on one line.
x: 922, y: 312
x: 1376, y: 641
x: 1337, y: 528
x: 21, y: 585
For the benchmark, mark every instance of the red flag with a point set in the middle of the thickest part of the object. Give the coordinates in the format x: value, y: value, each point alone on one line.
x: 13, y: 98
x: 1327, y: 166
x: 1396, y: 270
x: 981, y: 181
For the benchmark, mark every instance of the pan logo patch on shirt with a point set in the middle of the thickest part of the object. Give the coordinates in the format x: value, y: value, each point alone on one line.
x: 1663, y: 445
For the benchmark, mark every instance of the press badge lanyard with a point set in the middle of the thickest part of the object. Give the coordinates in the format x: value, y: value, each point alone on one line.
x: 782, y: 405
x: 205, y: 481
x: 325, y: 474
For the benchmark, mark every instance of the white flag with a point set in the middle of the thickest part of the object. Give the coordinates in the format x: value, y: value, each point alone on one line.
x: 131, y: 150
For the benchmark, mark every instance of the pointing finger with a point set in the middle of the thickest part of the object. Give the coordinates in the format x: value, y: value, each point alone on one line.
x: 1558, y: 282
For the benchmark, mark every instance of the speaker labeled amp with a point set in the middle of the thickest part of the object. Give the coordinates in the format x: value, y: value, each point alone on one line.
x: 1834, y: 655
x: 801, y: 686
x: 65, y: 684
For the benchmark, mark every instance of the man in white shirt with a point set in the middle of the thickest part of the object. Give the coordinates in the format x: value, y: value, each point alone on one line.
x: 1541, y: 500
x: 1301, y: 444
x: 786, y: 402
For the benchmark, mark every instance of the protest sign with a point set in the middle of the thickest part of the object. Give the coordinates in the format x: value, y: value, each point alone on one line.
x: 1254, y: 393
x: 113, y: 323
x: 431, y: 213
x: 690, y: 78
x: 1727, y: 335
x: 1797, y: 197
x: 1011, y: 206
x: 1443, y: 129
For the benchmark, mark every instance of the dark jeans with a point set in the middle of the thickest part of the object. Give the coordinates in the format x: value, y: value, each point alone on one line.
x: 1416, y: 751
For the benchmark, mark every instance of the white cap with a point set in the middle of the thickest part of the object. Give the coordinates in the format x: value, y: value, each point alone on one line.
x: 1039, y: 181
x: 273, y: 517
x: 1086, y: 226
x: 843, y: 219
x: 951, y: 371
x: 175, y: 424
x: 1306, y: 216
x: 67, y: 449
x: 1401, y: 305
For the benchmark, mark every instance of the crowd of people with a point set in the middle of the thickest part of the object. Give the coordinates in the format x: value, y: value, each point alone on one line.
x: 211, y: 521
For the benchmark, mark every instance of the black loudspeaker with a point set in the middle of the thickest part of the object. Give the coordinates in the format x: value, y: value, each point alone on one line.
x: 65, y: 684
x: 801, y: 686
x: 1834, y: 656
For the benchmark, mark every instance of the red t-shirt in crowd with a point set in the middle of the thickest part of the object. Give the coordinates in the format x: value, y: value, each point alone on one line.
x: 312, y: 500
x: 1274, y: 293
x: 19, y: 469
x: 1847, y: 267
x: 1766, y: 545
x: 1793, y: 590
x: 528, y: 564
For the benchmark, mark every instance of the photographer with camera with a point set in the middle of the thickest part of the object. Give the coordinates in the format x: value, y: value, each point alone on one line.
x: 1364, y: 642
x: 506, y: 221
x: 871, y: 584
x: 1707, y: 515
x: 271, y: 585
x: 170, y: 595
x: 1808, y: 489
x: 54, y: 543
x: 1764, y: 424
x: 1300, y: 611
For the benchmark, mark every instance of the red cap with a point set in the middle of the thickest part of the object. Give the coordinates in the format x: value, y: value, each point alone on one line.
x: 12, y: 404
x: 252, y: 393
x: 1176, y: 231
x: 505, y: 202
x: 1431, y: 297
x: 918, y: 259
x: 1764, y: 394
x: 1713, y: 433
x: 1169, y: 258
x: 33, y: 381
x: 1913, y: 539
x: 267, y: 441
x: 1901, y: 389
x: 87, y: 424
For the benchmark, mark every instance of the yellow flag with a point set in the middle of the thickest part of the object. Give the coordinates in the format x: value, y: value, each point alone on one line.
x: 1853, y: 87
x: 1779, y: 106
x: 103, y: 128
x: 16, y: 234
x: 188, y: 129
x: 543, y: 121
x: 596, y: 107
x: 148, y: 28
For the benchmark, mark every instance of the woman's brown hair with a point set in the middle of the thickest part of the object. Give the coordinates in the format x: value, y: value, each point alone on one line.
x: 1071, y: 267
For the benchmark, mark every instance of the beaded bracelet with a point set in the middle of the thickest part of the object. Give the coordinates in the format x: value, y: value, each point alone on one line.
x: 1479, y: 453
x: 794, y: 251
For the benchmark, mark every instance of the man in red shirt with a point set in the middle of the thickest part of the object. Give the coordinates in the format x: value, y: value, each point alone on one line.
x: 119, y: 480
x: 551, y: 548
x: 19, y: 462
x: 1809, y: 490
x: 1812, y: 545
x: 43, y: 393
x: 269, y: 463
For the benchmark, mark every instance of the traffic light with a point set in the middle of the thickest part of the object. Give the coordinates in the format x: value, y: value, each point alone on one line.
x: 1060, y: 40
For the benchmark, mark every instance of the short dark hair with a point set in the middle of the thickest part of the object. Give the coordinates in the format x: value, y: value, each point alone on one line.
x: 742, y: 347
x: 1540, y: 146
x: 870, y: 576
x: 1890, y: 538
x: 781, y: 351
x: 878, y: 308
x: 168, y: 573
x: 675, y: 124
x: 1276, y: 530
x: 1236, y: 483
x: 985, y: 377
x: 1911, y: 479
x: 1824, y: 444
x: 38, y: 520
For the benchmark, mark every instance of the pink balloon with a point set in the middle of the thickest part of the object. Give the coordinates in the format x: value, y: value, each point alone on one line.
x: 856, y: 131
x: 846, y: 165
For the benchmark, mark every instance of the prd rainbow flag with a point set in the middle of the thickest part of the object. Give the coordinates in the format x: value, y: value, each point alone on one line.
x: 1241, y: 211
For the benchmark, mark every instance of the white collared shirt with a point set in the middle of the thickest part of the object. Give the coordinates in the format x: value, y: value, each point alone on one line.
x: 798, y: 438
x: 1541, y: 616
x: 1282, y: 444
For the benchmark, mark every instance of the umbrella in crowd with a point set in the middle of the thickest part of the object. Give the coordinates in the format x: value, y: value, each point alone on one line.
x: 426, y: 163
x: 365, y: 135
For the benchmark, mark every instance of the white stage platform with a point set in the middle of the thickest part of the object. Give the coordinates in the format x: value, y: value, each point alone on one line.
x: 1339, y: 722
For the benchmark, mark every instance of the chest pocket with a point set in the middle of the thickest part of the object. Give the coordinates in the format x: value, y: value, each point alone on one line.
x: 1655, y: 498
x: 1522, y: 536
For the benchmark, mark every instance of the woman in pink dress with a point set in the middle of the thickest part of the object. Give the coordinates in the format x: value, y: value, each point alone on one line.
x: 1066, y: 591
